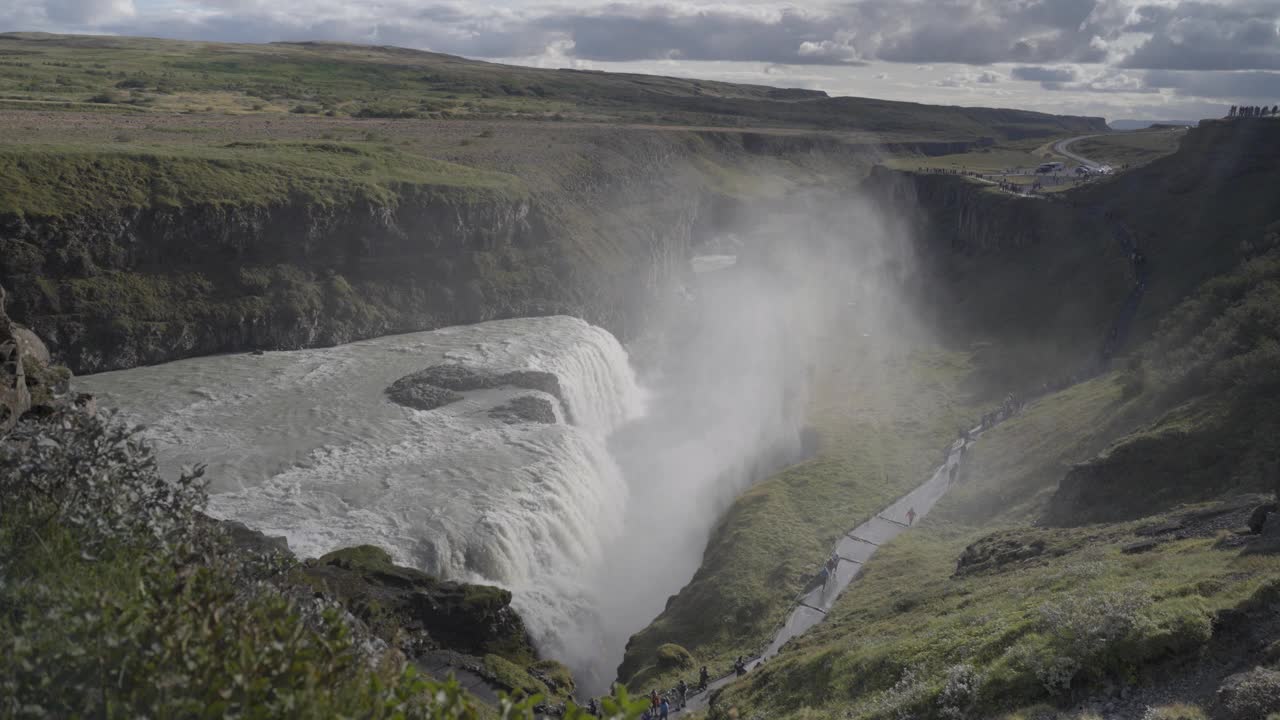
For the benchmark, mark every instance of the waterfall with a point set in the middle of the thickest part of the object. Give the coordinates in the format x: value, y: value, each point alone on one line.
x: 304, y: 444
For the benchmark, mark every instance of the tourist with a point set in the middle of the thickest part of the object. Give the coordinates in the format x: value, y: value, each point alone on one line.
x: 704, y: 678
x: 740, y: 666
x: 592, y: 708
x: 683, y: 689
x: 665, y: 709
x: 654, y: 701
x: 911, y: 516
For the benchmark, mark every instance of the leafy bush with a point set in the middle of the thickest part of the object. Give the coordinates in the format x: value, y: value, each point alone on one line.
x: 98, y: 478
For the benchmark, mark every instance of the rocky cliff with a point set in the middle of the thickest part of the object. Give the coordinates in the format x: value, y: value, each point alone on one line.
x: 598, y: 235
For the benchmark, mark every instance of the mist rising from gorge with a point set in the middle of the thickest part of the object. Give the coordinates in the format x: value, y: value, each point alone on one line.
x: 730, y: 383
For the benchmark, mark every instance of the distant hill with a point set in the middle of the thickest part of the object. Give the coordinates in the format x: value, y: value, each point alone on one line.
x: 339, y: 79
x: 1144, y: 124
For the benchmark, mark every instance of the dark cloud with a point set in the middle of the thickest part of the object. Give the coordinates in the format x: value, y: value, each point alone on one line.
x: 1202, y: 36
x: 1255, y: 86
x: 1044, y: 74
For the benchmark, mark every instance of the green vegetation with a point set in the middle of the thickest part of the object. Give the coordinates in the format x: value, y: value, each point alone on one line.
x: 1130, y: 149
x: 51, y: 181
x: 119, y: 600
x: 1216, y: 361
x: 395, y: 83
x: 986, y: 610
x: 884, y: 417
x: 915, y: 636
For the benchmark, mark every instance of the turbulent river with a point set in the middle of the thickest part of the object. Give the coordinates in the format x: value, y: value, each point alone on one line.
x: 306, y: 445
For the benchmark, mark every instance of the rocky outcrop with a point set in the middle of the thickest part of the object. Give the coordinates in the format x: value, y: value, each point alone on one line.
x: 414, y: 393
x: 440, y: 385
x: 416, y: 611
x: 525, y: 409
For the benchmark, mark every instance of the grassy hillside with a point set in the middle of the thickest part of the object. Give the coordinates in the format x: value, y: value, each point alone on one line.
x: 387, y: 82
x: 884, y: 416
x: 977, y: 613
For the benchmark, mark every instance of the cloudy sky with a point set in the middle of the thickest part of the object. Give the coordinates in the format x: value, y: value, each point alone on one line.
x: 1161, y: 59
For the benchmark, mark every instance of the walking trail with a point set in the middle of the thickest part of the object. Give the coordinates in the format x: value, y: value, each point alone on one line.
x: 854, y: 549
x: 857, y: 546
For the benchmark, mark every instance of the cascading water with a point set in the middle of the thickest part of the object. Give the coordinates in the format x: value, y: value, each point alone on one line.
x: 305, y: 444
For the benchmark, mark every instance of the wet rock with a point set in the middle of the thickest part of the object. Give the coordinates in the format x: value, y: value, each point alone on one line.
x: 461, y: 378
x: 525, y: 409
x: 440, y: 385
x: 418, y: 611
x: 416, y: 392
x: 1248, y: 695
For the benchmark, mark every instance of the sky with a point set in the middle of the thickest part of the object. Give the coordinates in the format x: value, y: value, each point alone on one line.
x: 1145, y: 59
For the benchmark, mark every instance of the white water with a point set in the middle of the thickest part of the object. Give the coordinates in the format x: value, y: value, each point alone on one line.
x: 305, y: 444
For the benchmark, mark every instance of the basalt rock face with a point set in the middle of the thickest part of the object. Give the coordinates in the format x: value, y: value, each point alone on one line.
x: 29, y: 381
x: 135, y: 286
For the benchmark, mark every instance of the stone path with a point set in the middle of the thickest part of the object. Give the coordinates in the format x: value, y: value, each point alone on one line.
x: 854, y: 549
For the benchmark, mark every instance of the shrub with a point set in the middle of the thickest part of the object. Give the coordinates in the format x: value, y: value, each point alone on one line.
x: 960, y: 692
x: 1252, y: 694
x: 79, y: 471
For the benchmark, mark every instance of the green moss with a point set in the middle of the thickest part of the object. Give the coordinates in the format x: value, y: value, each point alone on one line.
x: 514, y: 678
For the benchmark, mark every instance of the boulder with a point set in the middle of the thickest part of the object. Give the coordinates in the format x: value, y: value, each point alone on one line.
x: 439, y: 385
x: 525, y: 409
x: 412, y: 391
x: 1248, y: 695
x: 1258, y: 519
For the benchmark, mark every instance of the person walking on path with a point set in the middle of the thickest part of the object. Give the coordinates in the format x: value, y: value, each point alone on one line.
x: 911, y: 516
x: 704, y: 678
x: 683, y: 690
x: 665, y: 709
x: 654, y: 702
